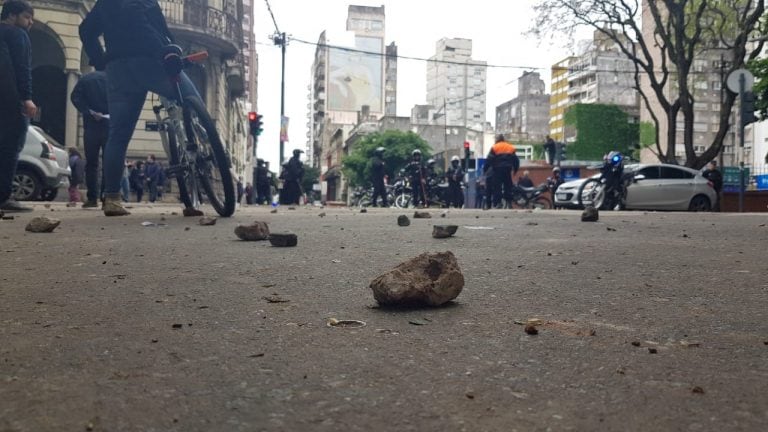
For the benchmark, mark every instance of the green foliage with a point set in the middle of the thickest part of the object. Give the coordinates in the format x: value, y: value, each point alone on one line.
x: 647, y: 134
x: 600, y: 129
x: 311, y: 176
x: 357, y: 165
x: 759, y: 67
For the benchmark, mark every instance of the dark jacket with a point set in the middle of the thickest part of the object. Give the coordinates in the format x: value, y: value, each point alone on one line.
x: 455, y: 175
x: 416, y: 170
x: 131, y: 28
x: 503, y: 155
x: 294, y: 170
x: 377, y: 169
x: 77, y: 165
x: 90, y: 94
x: 20, y: 51
x: 153, y: 171
x: 716, y: 177
x: 525, y: 182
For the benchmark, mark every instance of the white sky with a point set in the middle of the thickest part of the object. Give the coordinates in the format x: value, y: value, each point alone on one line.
x: 496, y: 28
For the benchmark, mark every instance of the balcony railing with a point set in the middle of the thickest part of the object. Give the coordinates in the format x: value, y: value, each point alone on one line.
x: 204, y: 19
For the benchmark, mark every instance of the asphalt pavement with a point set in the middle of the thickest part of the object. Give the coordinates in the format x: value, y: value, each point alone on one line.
x: 650, y: 321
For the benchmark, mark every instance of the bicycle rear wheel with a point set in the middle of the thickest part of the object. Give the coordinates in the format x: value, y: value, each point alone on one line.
x: 212, y: 164
x: 182, y: 176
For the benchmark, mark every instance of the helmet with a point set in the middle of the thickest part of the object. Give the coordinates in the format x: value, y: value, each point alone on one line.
x: 379, y: 150
x: 556, y: 169
x: 297, y: 152
x: 455, y: 159
x: 260, y: 161
x: 430, y: 162
x: 416, y: 152
x: 615, y: 158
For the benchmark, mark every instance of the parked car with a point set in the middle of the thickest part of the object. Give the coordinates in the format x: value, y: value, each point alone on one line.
x: 43, y: 168
x: 655, y: 187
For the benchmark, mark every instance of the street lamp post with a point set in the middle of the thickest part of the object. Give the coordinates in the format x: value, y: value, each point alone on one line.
x: 279, y: 39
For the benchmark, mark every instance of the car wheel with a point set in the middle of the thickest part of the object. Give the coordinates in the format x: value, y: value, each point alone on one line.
x: 49, y: 194
x: 26, y: 185
x: 700, y: 203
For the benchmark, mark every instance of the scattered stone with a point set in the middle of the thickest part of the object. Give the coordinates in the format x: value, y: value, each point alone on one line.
x: 685, y: 235
x: 653, y: 351
x: 636, y: 343
x: 443, y: 214
x: 444, y: 231
x: 403, y: 221
x: 177, y: 326
x: 610, y: 229
x: 422, y: 215
x: 71, y: 204
x: 417, y: 322
x: 470, y: 395
x: 429, y: 279
x: 291, y: 208
x: 363, y: 210
x: 697, y: 390
x: 333, y: 322
x: 44, y: 205
x: 7, y: 217
x: 283, y: 240
x: 208, y: 221
x: 256, y: 355
x: 531, y: 329
x: 191, y: 212
x: 532, y: 223
x: 174, y: 214
x: 42, y: 224
x: 255, y: 232
x: 621, y: 371
x: 275, y: 299
x: 273, y: 211
x: 534, y: 322
x: 590, y: 214
x: 322, y: 214
x: 187, y: 228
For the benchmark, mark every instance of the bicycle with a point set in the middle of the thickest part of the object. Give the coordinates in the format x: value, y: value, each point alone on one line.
x: 196, y: 155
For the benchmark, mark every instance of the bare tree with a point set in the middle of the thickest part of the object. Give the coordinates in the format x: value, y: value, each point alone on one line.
x: 682, y: 32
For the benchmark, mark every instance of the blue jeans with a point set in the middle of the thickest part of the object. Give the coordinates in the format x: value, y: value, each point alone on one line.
x: 129, y: 80
x: 125, y: 189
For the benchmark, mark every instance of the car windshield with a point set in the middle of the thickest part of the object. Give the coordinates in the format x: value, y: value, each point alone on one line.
x: 45, y: 136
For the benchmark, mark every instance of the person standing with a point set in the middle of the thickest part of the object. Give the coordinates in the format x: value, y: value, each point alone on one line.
x: 714, y: 175
x: 418, y: 177
x: 480, y: 186
x: 139, y: 58
x: 378, y: 172
x: 77, y: 166
x: 505, y: 163
x: 554, y: 182
x: 152, y: 173
x: 248, y: 193
x: 90, y: 98
x: 137, y: 180
x: 16, y: 106
x: 240, y: 189
x: 293, y: 173
x: 262, y: 179
x: 455, y: 175
x: 125, y: 182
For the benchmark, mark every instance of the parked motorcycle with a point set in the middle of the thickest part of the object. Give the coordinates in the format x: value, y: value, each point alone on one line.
x: 530, y: 198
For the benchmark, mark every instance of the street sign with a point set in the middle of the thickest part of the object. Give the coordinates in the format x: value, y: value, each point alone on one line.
x: 733, y: 80
x: 762, y: 182
x: 731, y: 178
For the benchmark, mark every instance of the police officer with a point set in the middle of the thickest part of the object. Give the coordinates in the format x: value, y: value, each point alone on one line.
x: 293, y: 173
x: 417, y: 174
x: 554, y: 182
x: 455, y: 175
x: 378, y: 171
x: 504, y: 161
x: 261, y: 178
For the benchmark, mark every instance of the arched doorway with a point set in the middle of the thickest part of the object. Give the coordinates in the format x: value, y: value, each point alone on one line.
x: 49, y: 82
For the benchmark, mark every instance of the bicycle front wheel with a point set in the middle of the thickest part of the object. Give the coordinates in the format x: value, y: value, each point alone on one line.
x: 592, y: 193
x: 212, y: 163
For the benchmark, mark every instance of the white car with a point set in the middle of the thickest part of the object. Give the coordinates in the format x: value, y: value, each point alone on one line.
x: 655, y: 187
x: 43, y: 167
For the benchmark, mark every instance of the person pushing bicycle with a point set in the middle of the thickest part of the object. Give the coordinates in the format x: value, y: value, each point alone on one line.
x: 138, y: 56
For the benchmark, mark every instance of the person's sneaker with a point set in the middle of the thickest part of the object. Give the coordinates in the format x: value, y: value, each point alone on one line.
x: 12, y: 205
x: 113, y: 207
x: 90, y: 204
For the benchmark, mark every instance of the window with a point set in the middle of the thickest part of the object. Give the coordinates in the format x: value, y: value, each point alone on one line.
x: 674, y: 173
x: 649, y: 172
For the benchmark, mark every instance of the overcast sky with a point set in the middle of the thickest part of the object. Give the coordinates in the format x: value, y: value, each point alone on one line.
x: 497, y: 29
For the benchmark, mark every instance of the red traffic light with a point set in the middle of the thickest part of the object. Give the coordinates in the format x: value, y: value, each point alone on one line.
x: 466, y: 144
x: 252, y: 116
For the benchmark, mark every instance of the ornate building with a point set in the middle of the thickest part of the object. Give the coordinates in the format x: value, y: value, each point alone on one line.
x: 212, y: 25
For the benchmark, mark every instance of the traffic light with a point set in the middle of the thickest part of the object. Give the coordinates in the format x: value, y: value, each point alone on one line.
x: 561, y: 151
x: 748, y: 108
x: 466, y: 150
x: 256, y: 124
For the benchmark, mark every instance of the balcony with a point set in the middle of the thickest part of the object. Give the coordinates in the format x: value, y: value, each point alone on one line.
x: 236, y: 76
x: 210, y: 27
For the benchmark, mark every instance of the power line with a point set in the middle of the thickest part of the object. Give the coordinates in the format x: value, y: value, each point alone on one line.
x: 277, y: 29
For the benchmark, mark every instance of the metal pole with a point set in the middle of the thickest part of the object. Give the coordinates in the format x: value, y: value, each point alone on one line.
x: 742, y: 90
x: 282, y: 98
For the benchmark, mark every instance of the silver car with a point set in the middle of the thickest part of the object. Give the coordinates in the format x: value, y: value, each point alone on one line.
x: 655, y: 187
x: 43, y: 168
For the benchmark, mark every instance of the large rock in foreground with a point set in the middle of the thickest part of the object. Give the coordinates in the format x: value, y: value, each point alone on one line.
x: 42, y: 224
x: 430, y: 279
x: 590, y: 214
x: 255, y: 232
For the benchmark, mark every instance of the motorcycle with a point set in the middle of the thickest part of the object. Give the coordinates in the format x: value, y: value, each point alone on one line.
x: 529, y: 198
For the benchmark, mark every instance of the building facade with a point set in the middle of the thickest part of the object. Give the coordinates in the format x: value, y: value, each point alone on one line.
x: 558, y: 100
x: 58, y: 61
x: 526, y: 117
x: 457, y: 83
